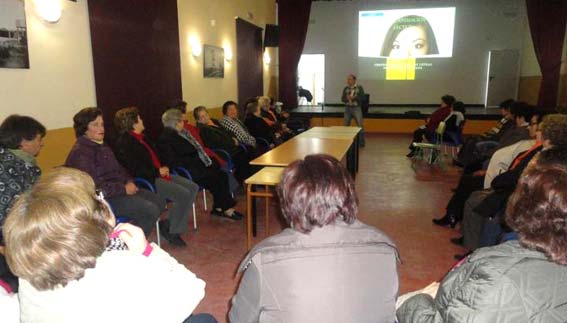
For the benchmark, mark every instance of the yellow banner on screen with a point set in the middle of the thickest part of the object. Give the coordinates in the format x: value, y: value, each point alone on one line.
x: 400, y: 68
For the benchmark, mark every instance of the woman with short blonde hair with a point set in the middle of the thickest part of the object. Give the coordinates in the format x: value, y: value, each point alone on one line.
x: 65, y: 232
x: 60, y: 241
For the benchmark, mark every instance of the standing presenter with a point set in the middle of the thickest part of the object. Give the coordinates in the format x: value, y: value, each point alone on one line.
x: 353, y: 95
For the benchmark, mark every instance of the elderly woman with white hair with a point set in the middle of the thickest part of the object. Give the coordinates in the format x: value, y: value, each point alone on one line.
x: 177, y: 148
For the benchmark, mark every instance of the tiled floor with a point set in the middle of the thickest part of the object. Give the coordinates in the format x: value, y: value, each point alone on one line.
x: 392, y: 197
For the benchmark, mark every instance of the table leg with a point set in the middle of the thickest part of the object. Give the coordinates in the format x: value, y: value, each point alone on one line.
x: 254, y: 214
x: 267, y: 211
x: 356, y: 152
x: 351, y: 160
x: 249, y: 216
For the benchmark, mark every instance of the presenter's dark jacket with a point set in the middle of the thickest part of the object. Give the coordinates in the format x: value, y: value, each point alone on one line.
x: 357, y: 102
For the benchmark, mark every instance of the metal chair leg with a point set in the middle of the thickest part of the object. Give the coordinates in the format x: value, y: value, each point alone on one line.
x: 194, y: 218
x: 157, y: 233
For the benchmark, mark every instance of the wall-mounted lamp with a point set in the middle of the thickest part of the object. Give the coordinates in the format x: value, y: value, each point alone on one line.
x: 267, y: 58
x: 49, y: 10
x: 196, y: 49
x: 227, y: 54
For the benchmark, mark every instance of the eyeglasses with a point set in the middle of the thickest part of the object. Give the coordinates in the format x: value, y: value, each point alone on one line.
x: 99, y: 194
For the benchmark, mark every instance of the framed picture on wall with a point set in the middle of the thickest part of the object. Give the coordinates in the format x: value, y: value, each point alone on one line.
x: 213, y: 65
x: 13, y: 35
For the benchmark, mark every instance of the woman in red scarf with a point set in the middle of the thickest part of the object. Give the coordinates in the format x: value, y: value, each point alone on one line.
x: 138, y: 156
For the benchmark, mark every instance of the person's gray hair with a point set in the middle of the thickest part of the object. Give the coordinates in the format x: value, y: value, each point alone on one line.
x: 171, y: 117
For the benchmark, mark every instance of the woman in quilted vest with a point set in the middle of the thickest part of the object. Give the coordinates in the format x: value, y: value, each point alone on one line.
x: 517, y: 281
x: 328, y: 266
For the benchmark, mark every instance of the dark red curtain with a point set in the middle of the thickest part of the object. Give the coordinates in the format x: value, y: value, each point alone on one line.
x: 136, y: 58
x: 249, y: 60
x: 293, y: 19
x: 547, y: 20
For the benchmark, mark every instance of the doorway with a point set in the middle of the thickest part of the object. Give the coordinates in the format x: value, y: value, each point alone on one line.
x: 311, y: 74
x: 503, y: 76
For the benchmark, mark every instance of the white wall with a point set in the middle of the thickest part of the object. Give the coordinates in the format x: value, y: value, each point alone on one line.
x: 480, y: 26
x: 60, y: 79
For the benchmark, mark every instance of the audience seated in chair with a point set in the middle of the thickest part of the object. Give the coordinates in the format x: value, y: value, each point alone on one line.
x: 216, y: 137
x: 468, y: 151
x: 271, y: 118
x: 91, y: 155
x: 468, y: 183
x: 74, y: 266
x: 177, y: 148
x: 232, y: 124
x: 522, y: 113
x: 182, y: 106
x: 194, y: 131
x: 428, y: 130
x: 276, y: 107
x: 238, y: 129
x: 485, y: 205
x: 137, y: 154
x: 258, y: 126
x: 454, y: 123
x: 328, y: 266
x: 517, y: 281
x: 21, y: 139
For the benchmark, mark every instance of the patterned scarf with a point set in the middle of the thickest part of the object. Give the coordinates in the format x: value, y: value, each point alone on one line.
x: 202, y: 155
x: 353, y: 92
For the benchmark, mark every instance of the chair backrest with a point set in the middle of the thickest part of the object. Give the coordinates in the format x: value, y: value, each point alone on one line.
x: 440, y: 128
x: 264, y: 141
x: 438, y: 138
x: 144, y: 183
x: 455, y: 138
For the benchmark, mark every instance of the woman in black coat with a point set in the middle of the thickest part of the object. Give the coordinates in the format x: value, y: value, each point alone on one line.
x: 177, y: 148
x: 137, y: 154
x: 215, y: 137
x: 257, y: 126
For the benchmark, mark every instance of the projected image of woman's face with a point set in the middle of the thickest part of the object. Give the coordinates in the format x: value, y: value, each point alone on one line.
x: 410, y: 42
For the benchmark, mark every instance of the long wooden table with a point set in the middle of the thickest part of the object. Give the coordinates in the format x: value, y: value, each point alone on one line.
x: 338, y: 142
x: 340, y: 133
x: 298, y: 148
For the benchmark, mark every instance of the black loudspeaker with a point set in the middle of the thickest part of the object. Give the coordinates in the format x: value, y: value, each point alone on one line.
x: 272, y: 36
x: 365, y: 104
